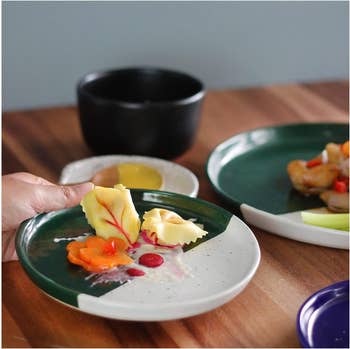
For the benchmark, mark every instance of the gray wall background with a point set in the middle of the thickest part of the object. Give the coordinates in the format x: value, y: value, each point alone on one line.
x: 48, y: 46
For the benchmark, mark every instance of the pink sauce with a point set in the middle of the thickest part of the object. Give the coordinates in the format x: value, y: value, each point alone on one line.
x: 154, y: 242
x: 136, y: 244
x: 135, y: 272
x: 151, y: 260
x: 132, y: 249
x: 148, y: 259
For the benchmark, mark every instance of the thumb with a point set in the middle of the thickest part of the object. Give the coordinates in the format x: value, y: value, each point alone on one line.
x: 57, y: 197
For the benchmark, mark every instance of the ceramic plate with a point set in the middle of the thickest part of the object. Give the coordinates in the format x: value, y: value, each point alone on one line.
x: 323, y: 320
x: 249, y: 170
x: 220, y: 265
x: 176, y: 178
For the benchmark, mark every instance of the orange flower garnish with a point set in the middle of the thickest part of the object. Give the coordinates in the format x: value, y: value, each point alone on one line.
x: 96, y: 254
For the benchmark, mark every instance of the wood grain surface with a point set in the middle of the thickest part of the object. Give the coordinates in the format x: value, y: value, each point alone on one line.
x: 43, y: 141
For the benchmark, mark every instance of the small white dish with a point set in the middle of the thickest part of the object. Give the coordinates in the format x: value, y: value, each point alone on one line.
x: 176, y: 178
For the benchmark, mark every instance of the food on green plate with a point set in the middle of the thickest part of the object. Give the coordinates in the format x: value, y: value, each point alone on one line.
x: 118, y: 243
x: 326, y: 175
x: 338, y: 221
x: 111, y: 212
x: 165, y: 227
x: 96, y: 254
x: 311, y: 180
x: 337, y: 201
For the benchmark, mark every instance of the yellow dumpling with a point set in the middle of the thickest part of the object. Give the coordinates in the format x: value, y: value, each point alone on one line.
x: 170, y: 228
x: 111, y: 212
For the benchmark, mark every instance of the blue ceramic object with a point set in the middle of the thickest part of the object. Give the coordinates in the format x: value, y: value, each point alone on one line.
x: 323, y: 320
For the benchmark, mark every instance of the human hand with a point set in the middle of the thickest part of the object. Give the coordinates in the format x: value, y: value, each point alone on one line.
x: 24, y: 196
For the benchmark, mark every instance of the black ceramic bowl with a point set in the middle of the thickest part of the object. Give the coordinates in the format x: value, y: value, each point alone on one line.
x: 143, y: 111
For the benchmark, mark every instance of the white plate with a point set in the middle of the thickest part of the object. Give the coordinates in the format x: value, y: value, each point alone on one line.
x: 176, y: 178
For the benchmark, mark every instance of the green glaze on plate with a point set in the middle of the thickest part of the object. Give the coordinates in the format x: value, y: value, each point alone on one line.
x: 250, y: 168
x: 45, y: 260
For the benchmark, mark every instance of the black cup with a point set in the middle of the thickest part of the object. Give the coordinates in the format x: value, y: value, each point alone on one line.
x: 141, y: 111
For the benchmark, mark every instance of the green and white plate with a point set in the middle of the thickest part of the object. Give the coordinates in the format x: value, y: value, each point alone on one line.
x: 249, y: 171
x: 221, y: 264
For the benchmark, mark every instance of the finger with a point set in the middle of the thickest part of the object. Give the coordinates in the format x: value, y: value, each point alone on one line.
x: 29, y: 178
x: 8, y: 246
x: 56, y: 197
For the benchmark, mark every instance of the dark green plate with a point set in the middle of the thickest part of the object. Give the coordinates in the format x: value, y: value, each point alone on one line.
x: 249, y: 171
x: 229, y: 242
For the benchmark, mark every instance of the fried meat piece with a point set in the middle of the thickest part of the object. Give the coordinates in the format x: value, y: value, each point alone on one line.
x: 312, y: 180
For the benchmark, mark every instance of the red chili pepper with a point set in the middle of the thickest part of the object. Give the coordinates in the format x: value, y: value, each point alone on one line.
x: 110, y: 248
x: 314, y: 162
x: 344, y: 179
x: 340, y: 186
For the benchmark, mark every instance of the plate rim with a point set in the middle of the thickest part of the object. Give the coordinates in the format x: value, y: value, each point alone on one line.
x: 344, y: 284
x: 37, y: 276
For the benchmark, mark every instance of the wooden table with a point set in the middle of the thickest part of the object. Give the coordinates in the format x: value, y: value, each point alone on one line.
x: 43, y: 141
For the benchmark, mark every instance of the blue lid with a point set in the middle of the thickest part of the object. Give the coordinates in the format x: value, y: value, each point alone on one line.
x: 323, y: 319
